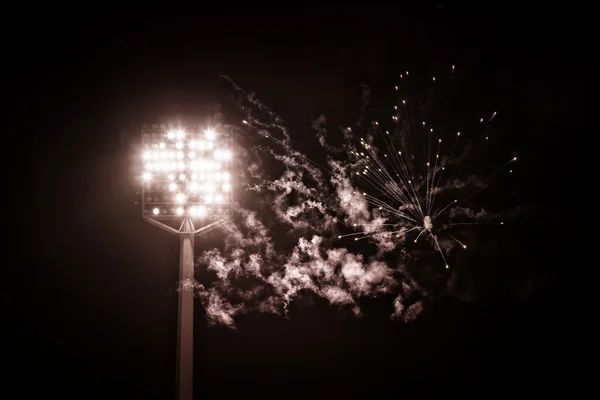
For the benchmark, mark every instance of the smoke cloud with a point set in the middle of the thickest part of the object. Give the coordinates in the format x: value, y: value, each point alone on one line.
x: 292, y: 230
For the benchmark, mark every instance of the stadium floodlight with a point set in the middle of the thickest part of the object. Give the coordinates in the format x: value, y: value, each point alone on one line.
x: 186, y: 180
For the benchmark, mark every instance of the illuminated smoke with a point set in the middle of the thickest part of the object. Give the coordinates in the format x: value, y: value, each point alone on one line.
x: 385, y: 195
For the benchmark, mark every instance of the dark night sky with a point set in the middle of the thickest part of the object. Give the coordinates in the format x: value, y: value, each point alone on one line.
x: 99, y: 313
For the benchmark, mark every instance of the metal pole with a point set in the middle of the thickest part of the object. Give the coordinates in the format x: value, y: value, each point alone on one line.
x: 185, y: 326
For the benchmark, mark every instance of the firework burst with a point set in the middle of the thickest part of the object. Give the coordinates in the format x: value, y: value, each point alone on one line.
x: 418, y: 182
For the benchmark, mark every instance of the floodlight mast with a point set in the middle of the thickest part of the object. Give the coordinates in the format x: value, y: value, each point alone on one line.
x: 156, y: 207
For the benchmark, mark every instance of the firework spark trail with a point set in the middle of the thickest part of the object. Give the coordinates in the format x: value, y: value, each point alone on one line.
x: 407, y: 194
x: 254, y: 105
x: 397, y: 194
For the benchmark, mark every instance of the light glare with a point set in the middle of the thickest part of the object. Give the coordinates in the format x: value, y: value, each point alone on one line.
x: 175, y: 157
x: 198, y: 211
x: 210, y: 134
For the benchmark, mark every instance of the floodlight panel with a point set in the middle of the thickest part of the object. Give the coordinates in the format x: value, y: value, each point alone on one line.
x: 186, y: 172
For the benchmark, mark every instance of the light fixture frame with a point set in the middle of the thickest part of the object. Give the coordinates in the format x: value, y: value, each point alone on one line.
x: 154, y: 134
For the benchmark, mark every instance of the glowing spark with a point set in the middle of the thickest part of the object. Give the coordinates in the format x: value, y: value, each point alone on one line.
x: 407, y: 186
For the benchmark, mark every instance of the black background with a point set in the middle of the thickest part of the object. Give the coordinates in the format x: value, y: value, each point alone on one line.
x: 96, y: 305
